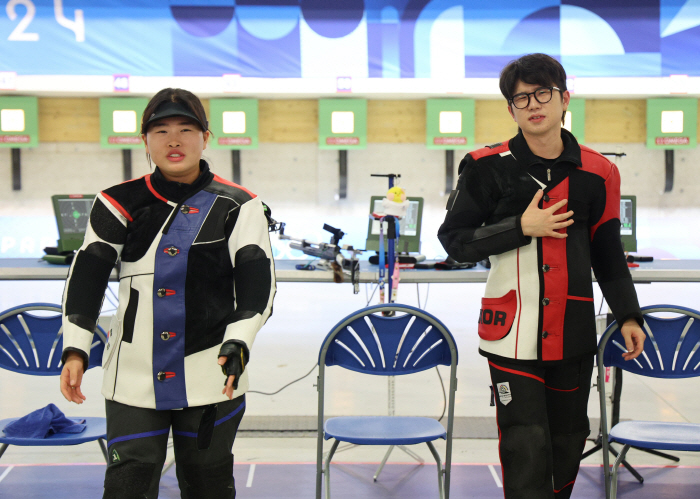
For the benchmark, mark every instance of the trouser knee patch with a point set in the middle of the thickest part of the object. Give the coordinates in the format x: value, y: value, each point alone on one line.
x: 213, y: 481
x: 524, y: 456
x: 566, y: 452
x: 128, y: 480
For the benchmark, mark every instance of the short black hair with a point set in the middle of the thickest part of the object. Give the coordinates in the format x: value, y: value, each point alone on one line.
x: 534, y: 69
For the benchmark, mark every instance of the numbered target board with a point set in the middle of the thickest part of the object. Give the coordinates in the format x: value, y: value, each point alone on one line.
x: 449, y: 123
x: 120, y: 122
x: 234, y: 123
x: 19, y: 122
x: 575, y: 119
x: 672, y: 123
x: 342, y: 124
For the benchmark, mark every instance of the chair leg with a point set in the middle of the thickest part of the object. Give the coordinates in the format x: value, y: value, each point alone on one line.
x: 613, y: 478
x: 327, y: 468
x: 434, y: 451
x: 103, y: 448
x: 3, y: 448
x: 381, y: 465
x: 411, y: 453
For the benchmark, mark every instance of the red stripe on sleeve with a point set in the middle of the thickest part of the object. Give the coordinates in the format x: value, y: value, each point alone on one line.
x: 228, y: 182
x: 153, y: 191
x: 579, y: 298
x: 119, y: 207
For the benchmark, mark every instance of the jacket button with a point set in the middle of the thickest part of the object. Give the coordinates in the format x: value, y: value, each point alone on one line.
x: 185, y: 209
x: 545, y: 268
x: 546, y: 198
x: 545, y: 301
x: 545, y: 334
x: 165, y: 335
x: 172, y: 251
x: 161, y: 376
x: 161, y: 293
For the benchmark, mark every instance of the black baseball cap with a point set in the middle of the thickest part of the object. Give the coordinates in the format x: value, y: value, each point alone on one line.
x: 169, y: 109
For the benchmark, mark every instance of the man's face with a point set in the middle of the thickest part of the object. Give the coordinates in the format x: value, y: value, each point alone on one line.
x: 537, y: 119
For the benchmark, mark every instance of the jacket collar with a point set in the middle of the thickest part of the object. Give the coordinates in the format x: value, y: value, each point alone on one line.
x: 571, y: 154
x: 177, y: 191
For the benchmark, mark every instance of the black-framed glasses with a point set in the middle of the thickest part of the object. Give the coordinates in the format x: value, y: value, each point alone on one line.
x: 542, y: 95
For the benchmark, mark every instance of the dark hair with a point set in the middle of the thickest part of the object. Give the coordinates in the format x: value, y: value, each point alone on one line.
x: 535, y: 69
x: 179, y: 95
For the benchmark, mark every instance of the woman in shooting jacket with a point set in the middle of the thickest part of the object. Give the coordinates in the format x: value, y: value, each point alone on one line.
x: 196, y: 283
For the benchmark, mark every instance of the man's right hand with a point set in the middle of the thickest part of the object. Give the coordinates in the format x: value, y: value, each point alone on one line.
x: 544, y: 223
x: 72, y: 377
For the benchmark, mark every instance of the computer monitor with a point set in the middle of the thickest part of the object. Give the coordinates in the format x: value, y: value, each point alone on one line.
x: 628, y: 222
x: 72, y: 216
x: 409, y: 226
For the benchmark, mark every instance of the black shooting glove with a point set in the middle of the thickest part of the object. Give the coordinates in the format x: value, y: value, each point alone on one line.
x: 237, y: 355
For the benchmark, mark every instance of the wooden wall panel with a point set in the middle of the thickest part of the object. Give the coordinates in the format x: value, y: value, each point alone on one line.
x: 69, y: 120
x: 616, y: 121
x: 493, y: 122
x: 284, y: 120
x: 388, y: 121
x: 396, y: 121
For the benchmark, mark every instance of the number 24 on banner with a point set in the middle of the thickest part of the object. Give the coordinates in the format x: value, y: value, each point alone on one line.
x: 19, y: 34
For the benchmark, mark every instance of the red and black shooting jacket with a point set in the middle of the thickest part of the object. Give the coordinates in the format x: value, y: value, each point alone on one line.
x: 538, y: 304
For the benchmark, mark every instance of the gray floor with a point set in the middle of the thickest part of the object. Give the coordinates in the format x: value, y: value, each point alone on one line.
x: 287, y: 348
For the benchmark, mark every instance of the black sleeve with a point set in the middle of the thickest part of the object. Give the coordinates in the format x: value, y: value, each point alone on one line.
x: 92, y: 265
x: 607, y: 256
x: 463, y: 233
x: 253, y: 282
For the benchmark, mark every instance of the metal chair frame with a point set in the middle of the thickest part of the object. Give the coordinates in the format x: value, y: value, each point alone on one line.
x: 27, y: 360
x: 650, y: 345
x: 443, y: 472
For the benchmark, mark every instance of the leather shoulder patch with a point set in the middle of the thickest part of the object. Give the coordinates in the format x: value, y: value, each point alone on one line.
x: 594, y: 162
x: 490, y: 150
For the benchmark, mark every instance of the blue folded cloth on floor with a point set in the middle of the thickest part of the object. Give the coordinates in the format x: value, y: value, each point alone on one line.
x: 43, y: 423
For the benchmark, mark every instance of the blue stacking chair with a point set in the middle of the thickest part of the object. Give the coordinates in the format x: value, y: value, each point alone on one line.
x: 670, y: 351
x: 368, y: 342
x: 32, y: 344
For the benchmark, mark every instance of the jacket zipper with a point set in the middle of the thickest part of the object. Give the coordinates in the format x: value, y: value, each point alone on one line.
x: 549, y: 175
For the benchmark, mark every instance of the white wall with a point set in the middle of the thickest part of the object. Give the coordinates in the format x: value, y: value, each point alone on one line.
x: 300, y: 183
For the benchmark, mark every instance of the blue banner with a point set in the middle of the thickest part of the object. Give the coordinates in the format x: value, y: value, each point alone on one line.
x: 355, y: 38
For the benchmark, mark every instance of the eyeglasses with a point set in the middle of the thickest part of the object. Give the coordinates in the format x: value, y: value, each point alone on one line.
x: 542, y: 95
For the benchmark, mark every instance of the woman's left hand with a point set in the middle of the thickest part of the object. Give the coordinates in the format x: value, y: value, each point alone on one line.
x: 228, y: 389
x: 634, y: 339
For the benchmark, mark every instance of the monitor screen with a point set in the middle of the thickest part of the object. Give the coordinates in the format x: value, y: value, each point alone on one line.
x: 72, y: 215
x: 409, y: 226
x: 628, y: 222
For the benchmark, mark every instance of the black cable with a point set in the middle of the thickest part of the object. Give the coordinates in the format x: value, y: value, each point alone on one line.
x: 444, y: 395
x: 602, y: 300
x: 285, y: 386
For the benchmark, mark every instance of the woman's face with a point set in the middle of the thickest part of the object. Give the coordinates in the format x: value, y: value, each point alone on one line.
x: 175, y: 145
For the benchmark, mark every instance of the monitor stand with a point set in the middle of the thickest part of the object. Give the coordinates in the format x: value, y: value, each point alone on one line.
x: 403, y: 258
x: 58, y: 258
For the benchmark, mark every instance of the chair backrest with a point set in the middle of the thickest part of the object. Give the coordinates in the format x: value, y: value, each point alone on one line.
x: 367, y: 342
x: 32, y: 343
x: 669, y: 350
